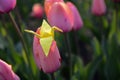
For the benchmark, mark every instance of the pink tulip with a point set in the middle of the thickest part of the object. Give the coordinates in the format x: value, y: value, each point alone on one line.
x: 50, y: 63
x: 78, y: 23
x: 98, y: 7
x: 6, y: 72
x: 61, y: 16
x: 49, y: 3
x: 7, y: 5
x: 37, y: 11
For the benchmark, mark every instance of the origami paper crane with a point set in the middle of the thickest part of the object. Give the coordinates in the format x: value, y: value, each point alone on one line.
x: 46, y: 36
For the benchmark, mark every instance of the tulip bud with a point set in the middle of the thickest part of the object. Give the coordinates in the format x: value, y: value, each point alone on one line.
x: 45, y: 50
x: 6, y: 72
x: 61, y: 16
x: 78, y: 23
x: 50, y: 63
x: 7, y: 5
x: 49, y: 3
x: 37, y: 11
x: 98, y: 7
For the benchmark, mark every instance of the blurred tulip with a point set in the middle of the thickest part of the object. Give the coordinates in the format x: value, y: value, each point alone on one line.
x: 37, y: 11
x: 98, y: 7
x: 49, y: 63
x: 7, y: 5
x: 61, y: 16
x: 78, y: 23
x: 116, y: 0
x: 6, y: 72
x: 49, y: 3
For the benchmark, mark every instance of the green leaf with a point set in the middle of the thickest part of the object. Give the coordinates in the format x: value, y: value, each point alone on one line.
x: 92, y: 67
x: 97, y: 47
x: 78, y: 68
x: 105, y: 22
x: 113, y: 26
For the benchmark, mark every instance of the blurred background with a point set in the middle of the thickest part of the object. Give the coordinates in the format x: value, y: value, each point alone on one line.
x: 95, y: 47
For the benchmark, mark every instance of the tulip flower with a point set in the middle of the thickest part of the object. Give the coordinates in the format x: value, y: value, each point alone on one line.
x: 49, y: 3
x: 61, y: 16
x: 37, y: 11
x: 7, y: 5
x: 98, y: 7
x: 45, y: 50
x: 78, y: 23
x: 6, y: 72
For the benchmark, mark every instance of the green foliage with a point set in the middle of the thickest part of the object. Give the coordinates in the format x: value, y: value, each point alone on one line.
x: 98, y: 44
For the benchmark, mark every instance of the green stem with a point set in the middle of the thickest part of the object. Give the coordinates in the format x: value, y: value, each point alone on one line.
x: 52, y: 76
x: 22, y: 40
x: 18, y: 31
x: 69, y: 54
x: 18, y: 17
x: 76, y: 42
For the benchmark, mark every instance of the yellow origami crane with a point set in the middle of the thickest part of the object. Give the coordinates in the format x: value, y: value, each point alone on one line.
x: 46, y: 36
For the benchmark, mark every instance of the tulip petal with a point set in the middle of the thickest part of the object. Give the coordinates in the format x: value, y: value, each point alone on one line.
x: 7, y: 5
x: 37, y: 11
x: 6, y: 72
x: 98, y: 7
x: 78, y: 23
x: 48, y: 63
x: 49, y: 3
x: 61, y: 16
